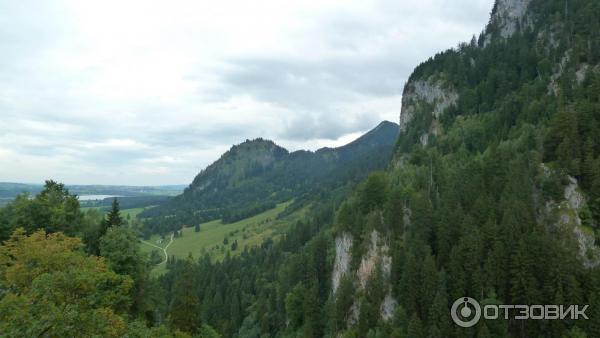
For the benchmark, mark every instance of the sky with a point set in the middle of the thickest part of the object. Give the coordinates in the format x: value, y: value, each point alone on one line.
x: 151, y: 92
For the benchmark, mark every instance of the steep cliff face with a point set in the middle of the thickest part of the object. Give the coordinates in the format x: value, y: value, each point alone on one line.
x: 377, y: 259
x: 471, y: 203
x: 566, y: 215
x: 433, y: 94
x: 425, y: 95
x: 377, y: 255
x: 341, y: 266
x: 508, y: 16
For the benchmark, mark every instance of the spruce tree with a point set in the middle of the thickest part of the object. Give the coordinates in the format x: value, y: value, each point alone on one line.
x: 114, y: 216
x: 185, y: 307
x: 415, y: 327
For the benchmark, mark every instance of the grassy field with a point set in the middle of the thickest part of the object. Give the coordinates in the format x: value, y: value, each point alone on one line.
x: 131, y: 212
x: 249, y: 232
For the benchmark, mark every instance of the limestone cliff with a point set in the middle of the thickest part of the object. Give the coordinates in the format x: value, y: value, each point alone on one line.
x: 566, y: 216
x: 376, y: 259
x: 508, y: 16
x: 423, y: 96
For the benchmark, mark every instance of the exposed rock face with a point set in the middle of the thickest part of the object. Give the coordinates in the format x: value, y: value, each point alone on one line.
x: 573, y: 196
x: 562, y: 65
x: 378, y: 254
x: 508, y: 16
x: 588, y: 251
x: 343, y: 244
x: 423, y: 95
x: 566, y: 216
x: 388, y: 306
x: 581, y: 73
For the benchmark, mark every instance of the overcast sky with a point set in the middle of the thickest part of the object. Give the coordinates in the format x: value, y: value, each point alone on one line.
x: 150, y: 92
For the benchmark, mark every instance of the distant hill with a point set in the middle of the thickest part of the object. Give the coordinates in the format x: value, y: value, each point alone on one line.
x: 255, y: 175
x: 9, y: 190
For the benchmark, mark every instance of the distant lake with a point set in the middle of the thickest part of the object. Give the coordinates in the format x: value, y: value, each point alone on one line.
x: 95, y: 197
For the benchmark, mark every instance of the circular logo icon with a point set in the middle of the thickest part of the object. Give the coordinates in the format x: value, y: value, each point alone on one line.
x: 466, y: 312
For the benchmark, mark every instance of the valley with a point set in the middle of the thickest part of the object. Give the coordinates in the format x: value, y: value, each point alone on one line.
x: 218, y: 240
x: 485, y: 194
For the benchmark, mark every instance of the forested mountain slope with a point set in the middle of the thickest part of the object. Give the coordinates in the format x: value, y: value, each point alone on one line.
x: 493, y: 193
x: 252, y: 176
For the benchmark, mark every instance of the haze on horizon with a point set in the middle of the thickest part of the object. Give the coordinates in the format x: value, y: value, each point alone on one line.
x: 149, y: 93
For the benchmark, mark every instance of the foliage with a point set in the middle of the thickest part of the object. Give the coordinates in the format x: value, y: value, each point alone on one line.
x: 52, y: 289
x: 53, y: 209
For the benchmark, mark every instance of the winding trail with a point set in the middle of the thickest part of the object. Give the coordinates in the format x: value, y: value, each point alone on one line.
x: 164, y: 250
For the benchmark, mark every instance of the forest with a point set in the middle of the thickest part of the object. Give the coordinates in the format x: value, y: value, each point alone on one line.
x: 500, y: 203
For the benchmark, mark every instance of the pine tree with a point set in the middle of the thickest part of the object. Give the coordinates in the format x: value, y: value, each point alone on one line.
x: 429, y: 284
x: 312, y: 312
x: 185, y: 307
x: 114, y: 216
x: 343, y: 301
x: 415, y: 327
x: 569, y: 149
x: 439, y: 322
x: 523, y: 283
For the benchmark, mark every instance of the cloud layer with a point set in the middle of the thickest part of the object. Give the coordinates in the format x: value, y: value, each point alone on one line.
x: 143, y: 92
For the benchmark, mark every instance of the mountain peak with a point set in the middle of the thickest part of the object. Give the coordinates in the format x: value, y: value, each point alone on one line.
x: 386, y: 124
x: 259, y: 172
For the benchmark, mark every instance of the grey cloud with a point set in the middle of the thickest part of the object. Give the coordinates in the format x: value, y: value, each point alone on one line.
x: 326, y: 126
x: 199, y: 136
x: 328, y: 81
x: 307, y: 82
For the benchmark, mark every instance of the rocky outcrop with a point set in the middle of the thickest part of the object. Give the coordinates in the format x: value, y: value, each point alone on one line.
x: 588, y: 251
x: 388, y: 306
x: 341, y: 266
x: 574, y: 197
x: 507, y: 17
x: 378, y: 254
x: 376, y: 259
x: 425, y: 95
x: 560, y: 68
x: 566, y: 215
x: 581, y: 73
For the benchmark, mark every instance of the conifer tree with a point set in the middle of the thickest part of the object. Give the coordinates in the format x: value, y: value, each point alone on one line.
x: 185, y: 307
x: 415, y: 327
x: 114, y: 216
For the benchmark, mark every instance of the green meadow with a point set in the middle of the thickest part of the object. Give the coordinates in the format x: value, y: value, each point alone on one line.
x: 132, y: 213
x: 211, y: 239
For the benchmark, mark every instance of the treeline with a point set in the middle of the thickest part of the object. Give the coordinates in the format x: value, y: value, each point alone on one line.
x: 247, y: 295
x: 231, y: 216
x: 128, y: 202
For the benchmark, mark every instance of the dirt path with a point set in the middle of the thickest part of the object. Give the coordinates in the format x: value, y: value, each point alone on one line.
x: 164, y: 250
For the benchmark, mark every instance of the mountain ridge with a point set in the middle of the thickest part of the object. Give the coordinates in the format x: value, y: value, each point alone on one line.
x: 497, y: 160
x: 256, y: 174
